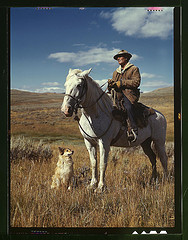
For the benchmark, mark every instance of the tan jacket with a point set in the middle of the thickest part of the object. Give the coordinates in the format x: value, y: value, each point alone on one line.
x: 130, y: 81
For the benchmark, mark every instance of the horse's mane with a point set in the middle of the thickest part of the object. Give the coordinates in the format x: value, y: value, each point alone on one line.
x: 107, y: 101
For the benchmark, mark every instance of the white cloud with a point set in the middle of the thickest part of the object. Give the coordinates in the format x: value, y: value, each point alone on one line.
x: 149, y: 75
x: 94, y: 55
x: 78, y: 45
x: 49, y: 89
x: 50, y: 84
x: 141, y: 23
x: 102, y: 82
x: 149, y: 84
x: 94, y: 23
x: 155, y: 84
x: 116, y: 42
x: 105, y: 15
x: 22, y: 89
x: 63, y: 56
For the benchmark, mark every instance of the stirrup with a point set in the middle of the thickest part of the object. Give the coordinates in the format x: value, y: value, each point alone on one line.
x: 132, y: 135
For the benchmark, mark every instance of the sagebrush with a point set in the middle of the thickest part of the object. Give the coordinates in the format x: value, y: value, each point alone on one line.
x: 129, y: 200
x: 26, y: 148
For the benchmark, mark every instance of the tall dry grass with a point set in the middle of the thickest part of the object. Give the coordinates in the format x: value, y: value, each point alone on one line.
x: 129, y: 201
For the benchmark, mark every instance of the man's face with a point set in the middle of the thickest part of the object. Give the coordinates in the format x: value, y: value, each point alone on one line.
x: 122, y: 61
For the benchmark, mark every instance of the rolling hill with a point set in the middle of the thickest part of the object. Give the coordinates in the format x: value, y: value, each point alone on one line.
x: 39, y: 114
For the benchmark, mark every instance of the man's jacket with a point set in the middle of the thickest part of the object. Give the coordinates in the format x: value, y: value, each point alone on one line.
x: 129, y: 82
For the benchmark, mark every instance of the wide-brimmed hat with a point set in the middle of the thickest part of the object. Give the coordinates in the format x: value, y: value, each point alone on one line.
x: 123, y: 53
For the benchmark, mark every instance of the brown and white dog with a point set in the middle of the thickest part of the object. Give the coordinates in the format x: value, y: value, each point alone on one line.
x: 64, y: 169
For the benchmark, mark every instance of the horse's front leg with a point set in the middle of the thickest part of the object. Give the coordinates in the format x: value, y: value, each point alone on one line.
x: 92, y: 149
x: 104, y: 149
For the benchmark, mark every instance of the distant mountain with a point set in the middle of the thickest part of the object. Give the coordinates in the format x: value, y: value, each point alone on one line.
x: 24, y: 97
x: 17, y: 92
x: 20, y: 97
x: 160, y: 91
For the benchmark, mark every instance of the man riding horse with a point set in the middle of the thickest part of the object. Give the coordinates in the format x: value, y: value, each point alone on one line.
x: 124, y: 89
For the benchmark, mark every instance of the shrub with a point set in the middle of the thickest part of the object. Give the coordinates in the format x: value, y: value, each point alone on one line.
x: 25, y: 148
x: 170, y: 149
x: 116, y: 152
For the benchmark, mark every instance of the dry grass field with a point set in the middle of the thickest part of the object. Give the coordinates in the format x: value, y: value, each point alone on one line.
x: 129, y: 201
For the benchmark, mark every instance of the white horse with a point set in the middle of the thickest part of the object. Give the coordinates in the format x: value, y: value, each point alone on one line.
x: 100, y: 129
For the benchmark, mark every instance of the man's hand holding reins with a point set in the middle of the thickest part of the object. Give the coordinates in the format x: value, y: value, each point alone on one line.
x: 116, y: 85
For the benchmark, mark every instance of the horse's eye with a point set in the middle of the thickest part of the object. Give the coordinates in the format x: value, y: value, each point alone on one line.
x: 79, y: 85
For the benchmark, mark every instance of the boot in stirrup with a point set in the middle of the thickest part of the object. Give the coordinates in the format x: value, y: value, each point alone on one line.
x: 132, y: 135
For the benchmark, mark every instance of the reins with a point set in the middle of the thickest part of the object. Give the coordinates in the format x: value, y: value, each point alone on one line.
x: 76, y: 118
x: 79, y: 99
x: 95, y: 101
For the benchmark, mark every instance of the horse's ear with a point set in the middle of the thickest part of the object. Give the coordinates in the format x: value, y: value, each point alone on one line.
x: 70, y: 70
x: 85, y: 73
x: 89, y: 71
x: 61, y: 150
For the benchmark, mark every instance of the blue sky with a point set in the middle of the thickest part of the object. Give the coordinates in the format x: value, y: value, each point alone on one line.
x: 46, y: 43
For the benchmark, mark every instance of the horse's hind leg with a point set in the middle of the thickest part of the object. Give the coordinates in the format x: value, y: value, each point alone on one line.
x: 146, y: 145
x: 161, y: 151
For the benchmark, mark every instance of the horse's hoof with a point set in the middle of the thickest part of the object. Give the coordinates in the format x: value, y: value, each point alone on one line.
x: 101, y: 189
x: 98, y: 191
x: 92, y: 187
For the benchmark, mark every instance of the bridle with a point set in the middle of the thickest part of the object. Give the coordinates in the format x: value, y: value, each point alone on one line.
x: 77, y: 105
x: 83, y: 92
x: 79, y: 98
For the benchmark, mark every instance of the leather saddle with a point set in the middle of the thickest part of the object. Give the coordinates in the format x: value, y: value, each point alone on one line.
x: 140, y: 112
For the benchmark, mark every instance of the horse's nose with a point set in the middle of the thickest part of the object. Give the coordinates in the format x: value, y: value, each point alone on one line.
x: 67, y: 110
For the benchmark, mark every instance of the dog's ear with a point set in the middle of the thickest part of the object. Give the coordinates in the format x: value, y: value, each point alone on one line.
x: 61, y: 150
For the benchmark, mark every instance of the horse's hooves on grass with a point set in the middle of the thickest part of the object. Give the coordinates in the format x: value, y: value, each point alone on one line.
x: 153, y: 181
x: 91, y: 187
x: 101, y: 189
x: 158, y: 179
x: 98, y: 190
